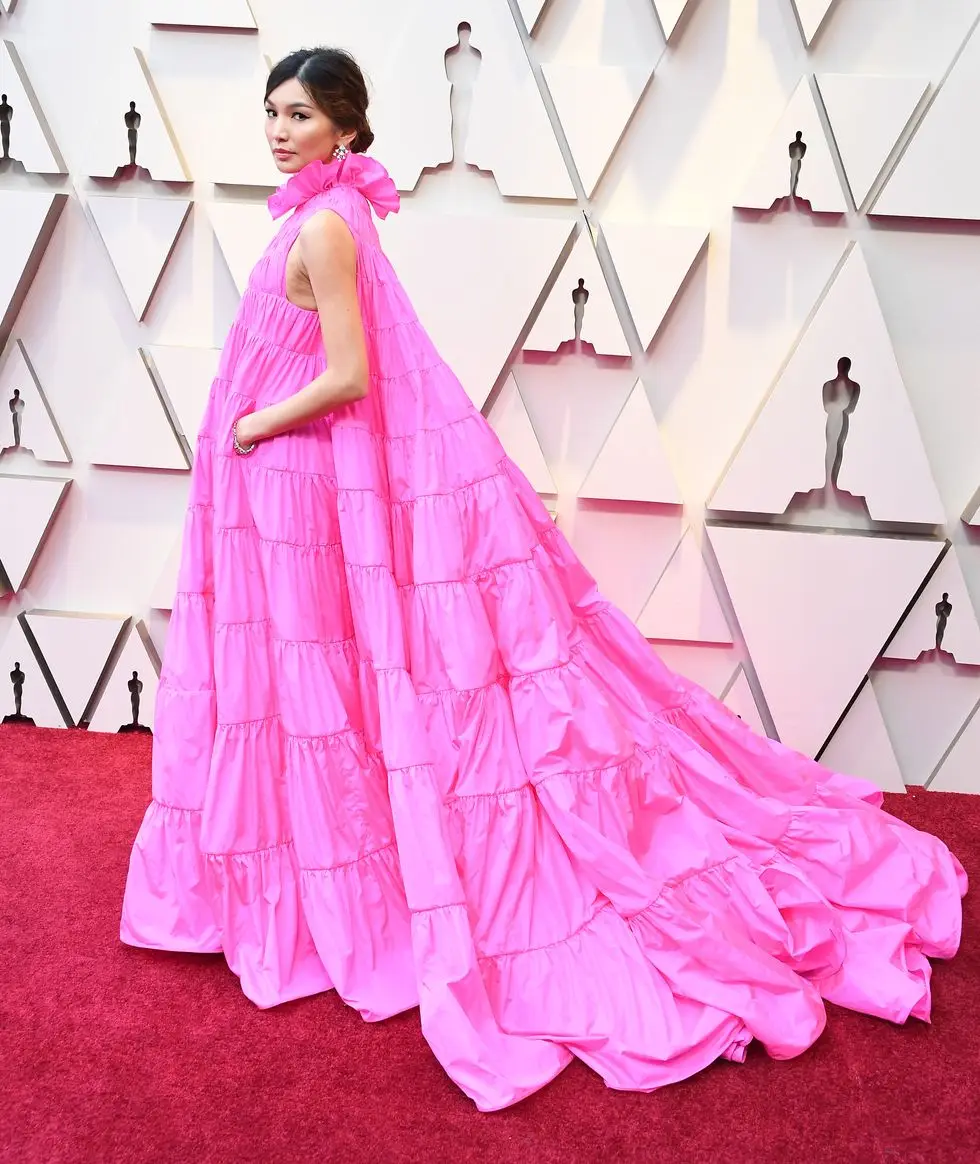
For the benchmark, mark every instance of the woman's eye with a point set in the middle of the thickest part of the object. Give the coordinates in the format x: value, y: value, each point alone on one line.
x: 300, y: 116
x: 270, y: 113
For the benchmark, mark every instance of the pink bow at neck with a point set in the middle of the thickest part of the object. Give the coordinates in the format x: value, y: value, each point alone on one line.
x: 358, y: 170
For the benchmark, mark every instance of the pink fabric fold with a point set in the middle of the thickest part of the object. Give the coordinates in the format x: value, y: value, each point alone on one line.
x: 362, y: 173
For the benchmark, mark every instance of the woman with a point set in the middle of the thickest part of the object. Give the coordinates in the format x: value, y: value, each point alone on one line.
x: 405, y: 750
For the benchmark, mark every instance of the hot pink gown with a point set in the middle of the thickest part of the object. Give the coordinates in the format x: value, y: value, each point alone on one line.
x: 405, y: 750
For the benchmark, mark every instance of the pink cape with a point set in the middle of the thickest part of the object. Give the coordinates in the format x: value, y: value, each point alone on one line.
x: 405, y: 750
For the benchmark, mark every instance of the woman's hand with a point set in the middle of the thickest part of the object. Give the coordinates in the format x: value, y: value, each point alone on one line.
x: 248, y: 429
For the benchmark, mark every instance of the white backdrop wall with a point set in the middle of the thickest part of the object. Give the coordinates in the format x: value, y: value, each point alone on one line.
x: 675, y: 421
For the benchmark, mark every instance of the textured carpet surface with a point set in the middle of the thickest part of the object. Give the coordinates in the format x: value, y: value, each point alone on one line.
x: 114, y: 1054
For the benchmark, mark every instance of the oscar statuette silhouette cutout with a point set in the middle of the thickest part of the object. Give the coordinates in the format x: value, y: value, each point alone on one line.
x: 6, y: 116
x: 133, y: 121
x: 797, y: 150
x: 462, y: 62
x: 840, y: 398
x: 17, y: 404
x: 943, y: 610
x: 17, y: 678
x: 135, y: 686
x: 580, y: 296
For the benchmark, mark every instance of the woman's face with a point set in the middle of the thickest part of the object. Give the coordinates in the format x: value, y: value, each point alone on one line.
x: 298, y: 131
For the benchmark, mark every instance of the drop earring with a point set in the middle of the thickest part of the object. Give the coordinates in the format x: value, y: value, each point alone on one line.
x: 340, y: 152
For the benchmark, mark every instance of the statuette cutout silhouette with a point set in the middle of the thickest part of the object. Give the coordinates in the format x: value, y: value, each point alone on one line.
x: 17, y: 404
x: 840, y: 398
x: 6, y: 117
x: 580, y: 296
x: 17, y: 679
x: 463, y: 62
x: 135, y: 686
x: 797, y: 151
x: 944, y: 609
x: 133, y: 121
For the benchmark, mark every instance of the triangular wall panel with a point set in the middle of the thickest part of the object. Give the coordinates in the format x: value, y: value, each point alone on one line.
x: 626, y: 551
x: 165, y: 589
x: 785, y: 450
x: 230, y: 14
x: 243, y: 231
x: 713, y: 668
x: 530, y: 11
x: 76, y: 648
x: 600, y: 325
x: 28, y: 508
x: 862, y: 747
x: 140, y: 235
x: 958, y: 771
x: 37, y: 702
x: 573, y: 405
x: 509, y: 133
x: 938, y: 176
x: 924, y: 708
x: 183, y: 378
x: 812, y: 625
x: 961, y: 631
x: 868, y: 115
x: 595, y: 104
x: 811, y: 15
x: 135, y: 430
x: 503, y: 262
x: 31, y: 141
x: 670, y: 12
x: 511, y: 423
x: 769, y: 179
x: 632, y: 464
x: 108, y: 139
x: 39, y: 433
x: 684, y: 605
x: 29, y: 218
x: 739, y: 698
x: 114, y: 708
x: 653, y: 261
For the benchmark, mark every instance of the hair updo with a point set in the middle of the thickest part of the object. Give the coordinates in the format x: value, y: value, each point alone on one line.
x: 336, y: 84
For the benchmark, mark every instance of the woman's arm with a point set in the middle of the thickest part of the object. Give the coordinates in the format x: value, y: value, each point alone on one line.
x: 329, y: 257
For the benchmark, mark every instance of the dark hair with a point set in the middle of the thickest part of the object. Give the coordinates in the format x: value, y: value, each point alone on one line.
x: 335, y: 82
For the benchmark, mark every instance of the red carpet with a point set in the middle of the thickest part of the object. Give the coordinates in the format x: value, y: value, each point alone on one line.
x: 113, y: 1054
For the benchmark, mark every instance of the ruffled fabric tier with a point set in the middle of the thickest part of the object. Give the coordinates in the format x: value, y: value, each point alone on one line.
x: 406, y: 750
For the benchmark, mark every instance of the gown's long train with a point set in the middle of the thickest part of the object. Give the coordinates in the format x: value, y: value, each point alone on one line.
x: 405, y: 749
